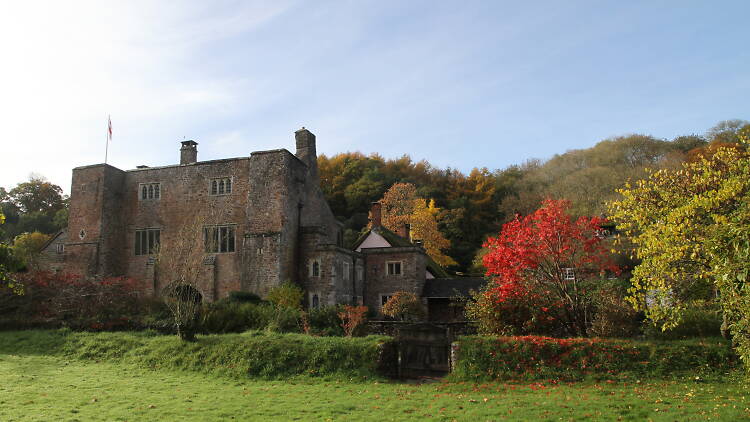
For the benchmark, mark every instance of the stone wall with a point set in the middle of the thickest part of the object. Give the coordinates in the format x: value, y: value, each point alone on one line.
x: 379, y: 283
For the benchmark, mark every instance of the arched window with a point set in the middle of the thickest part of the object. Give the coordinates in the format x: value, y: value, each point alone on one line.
x: 144, y: 193
x: 229, y: 186
x: 221, y: 187
x: 150, y: 191
x: 315, y: 269
x: 315, y: 302
x: 213, y: 187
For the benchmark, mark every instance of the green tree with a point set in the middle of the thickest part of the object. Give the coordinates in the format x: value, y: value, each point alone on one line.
x: 28, y: 247
x: 690, y: 229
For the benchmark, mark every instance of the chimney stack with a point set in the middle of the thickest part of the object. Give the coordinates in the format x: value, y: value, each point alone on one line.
x: 375, y: 219
x: 405, y: 231
x: 306, y: 150
x: 188, y: 152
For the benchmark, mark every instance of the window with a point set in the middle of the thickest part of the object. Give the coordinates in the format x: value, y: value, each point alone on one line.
x: 315, y: 268
x: 384, y: 298
x: 315, y: 302
x: 60, y: 248
x: 345, y: 270
x: 393, y: 268
x: 569, y: 274
x: 219, y: 239
x: 146, y: 241
x: 150, y: 191
x: 221, y: 186
x: 360, y: 274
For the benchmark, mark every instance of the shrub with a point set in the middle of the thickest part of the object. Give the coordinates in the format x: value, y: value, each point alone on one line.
x: 287, y: 295
x: 55, y: 300
x: 702, y: 319
x: 352, y: 317
x: 614, y: 317
x: 531, y: 313
x: 533, y: 357
x: 325, y: 321
x: 244, y: 297
x: 252, y: 354
x: 404, y: 306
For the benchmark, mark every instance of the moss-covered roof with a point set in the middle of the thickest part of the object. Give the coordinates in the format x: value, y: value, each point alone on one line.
x: 397, y: 241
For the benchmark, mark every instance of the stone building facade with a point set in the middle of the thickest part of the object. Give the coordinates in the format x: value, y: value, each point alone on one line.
x: 265, y: 221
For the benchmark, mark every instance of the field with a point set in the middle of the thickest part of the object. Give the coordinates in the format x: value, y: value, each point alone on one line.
x: 40, y: 387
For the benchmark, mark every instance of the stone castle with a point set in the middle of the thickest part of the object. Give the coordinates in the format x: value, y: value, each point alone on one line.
x: 270, y: 223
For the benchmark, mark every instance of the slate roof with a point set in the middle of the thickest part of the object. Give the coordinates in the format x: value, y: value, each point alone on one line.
x: 452, y: 287
x: 397, y: 241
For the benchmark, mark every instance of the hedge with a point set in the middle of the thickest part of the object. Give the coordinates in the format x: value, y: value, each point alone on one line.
x: 251, y: 354
x: 533, y: 357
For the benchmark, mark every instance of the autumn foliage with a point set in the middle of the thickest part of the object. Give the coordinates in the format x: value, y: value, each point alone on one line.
x: 550, y: 259
x: 352, y: 317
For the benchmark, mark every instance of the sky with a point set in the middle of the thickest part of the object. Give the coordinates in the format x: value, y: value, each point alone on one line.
x: 462, y: 84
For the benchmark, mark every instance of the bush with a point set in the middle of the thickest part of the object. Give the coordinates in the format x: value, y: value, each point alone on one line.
x: 325, y: 321
x: 231, y: 317
x: 614, y: 317
x: 287, y: 295
x: 252, y: 354
x: 68, y: 300
x: 702, y: 319
x: 404, y: 306
x: 533, y: 313
x: 531, y: 357
x: 244, y: 297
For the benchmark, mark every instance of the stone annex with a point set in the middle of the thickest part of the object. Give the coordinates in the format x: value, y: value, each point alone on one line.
x: 269, y: 223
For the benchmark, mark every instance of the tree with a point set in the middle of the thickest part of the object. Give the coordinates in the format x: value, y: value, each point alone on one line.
x: 8, y: 265
x: 401, y: 205
x: 689, y: 228
x: 28, y: 246
x: 404, y: 306
x: 37, y: 195
x: 548, y: 252
x: 179, y: 262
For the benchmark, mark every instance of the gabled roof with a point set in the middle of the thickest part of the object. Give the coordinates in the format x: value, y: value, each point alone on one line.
x: 398, y: 242
x: 53, y: 237
x: 452, y: 287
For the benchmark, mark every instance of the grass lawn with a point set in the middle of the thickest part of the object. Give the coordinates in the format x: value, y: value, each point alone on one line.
x: 49, y: 388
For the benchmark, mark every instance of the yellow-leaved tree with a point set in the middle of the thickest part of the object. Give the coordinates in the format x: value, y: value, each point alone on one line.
x: 691, y: 229
x: 402, y: 205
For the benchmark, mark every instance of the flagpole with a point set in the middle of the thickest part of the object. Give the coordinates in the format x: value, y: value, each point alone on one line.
x: 106, y: 148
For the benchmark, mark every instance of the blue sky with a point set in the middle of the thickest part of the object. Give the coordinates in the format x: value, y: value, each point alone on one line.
x: 460, y: 84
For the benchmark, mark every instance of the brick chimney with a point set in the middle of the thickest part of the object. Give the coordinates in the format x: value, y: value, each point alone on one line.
x: 188, y: 152
x: 375, y: 217
x: 306, y: 150
x: 404, y: 231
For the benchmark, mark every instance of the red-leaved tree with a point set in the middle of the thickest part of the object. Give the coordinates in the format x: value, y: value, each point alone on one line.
x: 549, y: 253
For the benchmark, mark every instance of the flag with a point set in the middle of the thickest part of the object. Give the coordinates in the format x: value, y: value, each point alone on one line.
x: 109, y: 128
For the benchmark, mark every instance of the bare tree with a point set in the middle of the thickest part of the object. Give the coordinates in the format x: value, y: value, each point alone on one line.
x: 179, y: 264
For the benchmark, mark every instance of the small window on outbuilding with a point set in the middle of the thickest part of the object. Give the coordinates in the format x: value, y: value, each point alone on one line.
x: 60, y: 248
x: 569, y: 274
x: 345, y: 270
x: 393, y: 268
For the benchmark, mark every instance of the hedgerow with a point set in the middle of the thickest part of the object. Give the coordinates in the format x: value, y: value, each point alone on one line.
x: 251, y: 354
x: 534, y: 357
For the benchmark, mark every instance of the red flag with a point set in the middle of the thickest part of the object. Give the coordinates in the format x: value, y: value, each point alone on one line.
x: 109, y: 128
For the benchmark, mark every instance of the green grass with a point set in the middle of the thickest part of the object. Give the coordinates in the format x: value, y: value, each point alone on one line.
x: 49, y: 388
